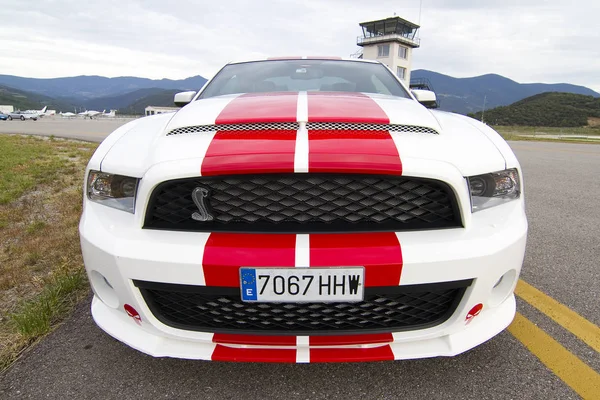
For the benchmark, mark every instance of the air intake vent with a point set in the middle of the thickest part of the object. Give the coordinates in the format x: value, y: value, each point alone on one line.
x: 342, y: 126
x: 303, y: 203
x: 384, y: 309
x: 275, y: 126
x: 320, y: 126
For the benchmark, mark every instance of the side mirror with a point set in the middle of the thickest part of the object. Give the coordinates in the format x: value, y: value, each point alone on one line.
x: 183, y: 98
x: 425, y: 97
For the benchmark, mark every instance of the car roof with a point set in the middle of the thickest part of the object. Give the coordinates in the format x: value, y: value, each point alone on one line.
x: 328, y: 58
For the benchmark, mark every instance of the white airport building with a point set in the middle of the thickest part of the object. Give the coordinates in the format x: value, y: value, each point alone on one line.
x: 153, y: 110
x: 6, y: 109
x: 390, y: 41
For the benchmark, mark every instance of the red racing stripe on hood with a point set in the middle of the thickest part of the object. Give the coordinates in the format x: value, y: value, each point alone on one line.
x: 251, y: 108
x: 357, y: 152
x: 225, y: 253
x: 253, y: 151
x: 250, y: 152
x: 344, y: 107
x: 379, y: 253
x: 350, y: 151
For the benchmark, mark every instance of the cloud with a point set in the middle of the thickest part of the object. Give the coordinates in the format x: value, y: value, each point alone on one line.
x: 527, y: 40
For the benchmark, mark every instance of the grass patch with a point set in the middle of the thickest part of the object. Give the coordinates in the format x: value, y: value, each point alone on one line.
x: 35, y: 317
x: 35, y: 226
x: 534, y: 133
x: 25, y: 163
x: 541, y: 130
x: 41, y: 269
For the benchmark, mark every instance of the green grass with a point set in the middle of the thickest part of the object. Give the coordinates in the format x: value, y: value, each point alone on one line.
x: 41, y: 268
x: 35, y: 317
x: 35, y: 226
x: 567, y: 135
x: 27, y: 162
x: 539, y: 130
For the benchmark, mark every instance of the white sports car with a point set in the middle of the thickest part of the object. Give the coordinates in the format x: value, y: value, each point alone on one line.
x: 303, y: 210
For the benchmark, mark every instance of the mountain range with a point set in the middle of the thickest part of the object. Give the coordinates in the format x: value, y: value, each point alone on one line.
x: 546, y: 109
x: 82, y: 88
x: 131, y: 95
x: 467, y: 95
x: 24, y: 100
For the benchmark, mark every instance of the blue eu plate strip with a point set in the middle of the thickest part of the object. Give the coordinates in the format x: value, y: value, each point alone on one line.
x: 248, y: 283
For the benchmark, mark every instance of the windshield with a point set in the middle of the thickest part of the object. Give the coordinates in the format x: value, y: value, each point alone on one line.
x: 304, y: 75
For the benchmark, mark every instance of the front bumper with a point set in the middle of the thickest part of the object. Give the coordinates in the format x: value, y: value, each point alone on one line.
x: 484, y: 327
x: 117, y: 250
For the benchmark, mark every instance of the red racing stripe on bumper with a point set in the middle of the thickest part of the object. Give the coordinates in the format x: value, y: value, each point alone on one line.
x: 225, y: 253
x: 345, y: 340
x: 225, y: 353
x: 381, y: 353
x: 257, y: 340
x: 379, y: 253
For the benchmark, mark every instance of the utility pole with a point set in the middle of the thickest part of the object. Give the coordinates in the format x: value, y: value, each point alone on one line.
x: 483, y: 111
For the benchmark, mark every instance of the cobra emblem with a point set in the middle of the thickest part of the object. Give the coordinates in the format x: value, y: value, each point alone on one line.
x: 198, y: 195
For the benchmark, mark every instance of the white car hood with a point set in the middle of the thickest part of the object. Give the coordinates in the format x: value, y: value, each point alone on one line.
x: 458, y: 141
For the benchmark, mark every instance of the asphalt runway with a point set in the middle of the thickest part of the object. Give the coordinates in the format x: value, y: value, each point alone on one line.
x: 93, y: 130
x: 536, y: 358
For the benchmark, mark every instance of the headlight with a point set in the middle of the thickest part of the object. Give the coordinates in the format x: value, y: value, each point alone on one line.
x: 115, y: 191
x: 489, y: 190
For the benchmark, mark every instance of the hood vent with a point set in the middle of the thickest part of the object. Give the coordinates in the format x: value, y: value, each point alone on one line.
x: 342, y: 126
x: 311, y: 126
x: 274, y: 126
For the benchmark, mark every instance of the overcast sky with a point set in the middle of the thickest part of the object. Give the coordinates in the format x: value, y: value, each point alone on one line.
x: 526, y: 40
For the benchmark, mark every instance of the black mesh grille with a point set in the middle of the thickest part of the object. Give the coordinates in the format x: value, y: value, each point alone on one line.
x: 215, y: 309
x: 305, y: 203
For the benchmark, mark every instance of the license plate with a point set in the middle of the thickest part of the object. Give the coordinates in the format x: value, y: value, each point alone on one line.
x: 300, y: 285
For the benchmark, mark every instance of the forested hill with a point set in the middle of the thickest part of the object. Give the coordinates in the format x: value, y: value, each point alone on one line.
x: 545, y: 109
x: 467, y: 95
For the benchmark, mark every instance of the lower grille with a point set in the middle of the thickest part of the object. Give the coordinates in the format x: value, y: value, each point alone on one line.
x: 302, y: 203
x: 384, y: 309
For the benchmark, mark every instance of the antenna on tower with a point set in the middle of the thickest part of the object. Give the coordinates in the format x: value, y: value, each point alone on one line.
x: 420, y: 9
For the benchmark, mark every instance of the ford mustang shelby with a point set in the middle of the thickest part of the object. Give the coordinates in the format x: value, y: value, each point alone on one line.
x: 303, y: 210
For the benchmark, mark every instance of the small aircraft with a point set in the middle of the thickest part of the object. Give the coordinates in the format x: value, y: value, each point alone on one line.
x: 39, y: 113
x: 111, y: 114
x: 68, y: 115
x: 91, y: 114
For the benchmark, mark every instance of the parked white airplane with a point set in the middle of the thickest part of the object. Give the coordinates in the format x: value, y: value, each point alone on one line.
x: 91, y: 114
x: 40, y: 113
x: 111, y: 114
x: 68, y: 115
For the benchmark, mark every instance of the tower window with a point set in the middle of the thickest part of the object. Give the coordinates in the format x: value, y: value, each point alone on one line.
x: 401, y: 72
x: 383, y: 50
x: 403, y: 52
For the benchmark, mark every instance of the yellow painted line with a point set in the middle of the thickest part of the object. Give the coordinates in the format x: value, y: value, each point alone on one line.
x: 570, y: 369
x: 585, y: 330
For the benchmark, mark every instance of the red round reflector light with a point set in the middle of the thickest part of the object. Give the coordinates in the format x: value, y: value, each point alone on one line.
x: 133, y: 314
x: 474, y: 312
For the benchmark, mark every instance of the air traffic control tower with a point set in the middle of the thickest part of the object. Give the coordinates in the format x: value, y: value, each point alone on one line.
x: 390, y: 41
